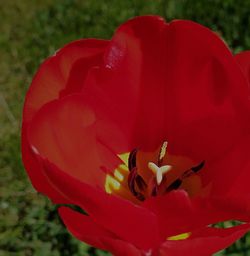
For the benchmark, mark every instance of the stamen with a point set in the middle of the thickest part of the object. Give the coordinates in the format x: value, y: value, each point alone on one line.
x: 142, y: 185
x: 198, y: 167
x: 177, y: 183
x: 132, y: 159
x: 126, y: 176
x: 159, y: 171
x: 154, y: 191
x: 132, y: 178
x: 193, y: 170
x: 162, y: 153
x: 111, y: 184
x: 174, y: 185
x: 182, y: 236
x: 118, y: 175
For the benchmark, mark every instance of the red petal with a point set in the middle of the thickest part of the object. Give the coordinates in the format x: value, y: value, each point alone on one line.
x: 37, y: 177
x: 205, y: 242
x: 178, y: 213
x: 243, y: 59
x: 121, y: 248
x: 129, y: 222
x: 53, y: 75
x: 174, y: 81
x: 86, y: 230
x: 63, y: 131
x: 229, y: 175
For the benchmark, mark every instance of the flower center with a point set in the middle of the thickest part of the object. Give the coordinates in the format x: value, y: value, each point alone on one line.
x: 146, y: 174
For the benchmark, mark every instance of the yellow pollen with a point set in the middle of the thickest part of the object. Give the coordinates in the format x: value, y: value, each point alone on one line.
x: 159, y: 171
x: 182, y: 236
x: 118, y: 175
x: 111, y: 184
x: 124, y: 157
x: 163, y: 150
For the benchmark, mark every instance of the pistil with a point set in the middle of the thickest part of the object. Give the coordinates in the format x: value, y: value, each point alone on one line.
x: 159, y: 171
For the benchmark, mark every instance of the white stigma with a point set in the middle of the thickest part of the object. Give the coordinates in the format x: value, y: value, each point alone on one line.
x: 159, y: 171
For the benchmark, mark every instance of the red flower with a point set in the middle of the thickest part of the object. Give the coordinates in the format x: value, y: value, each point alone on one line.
x: 149, y: 134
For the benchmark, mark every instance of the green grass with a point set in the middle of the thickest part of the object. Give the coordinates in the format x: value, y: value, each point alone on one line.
x: 29, y: 32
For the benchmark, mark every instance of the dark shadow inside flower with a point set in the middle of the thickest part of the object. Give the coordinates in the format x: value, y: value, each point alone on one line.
x: 145, y: 174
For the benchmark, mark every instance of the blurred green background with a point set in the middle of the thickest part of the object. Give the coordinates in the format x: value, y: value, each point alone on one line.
x: 31, y: 30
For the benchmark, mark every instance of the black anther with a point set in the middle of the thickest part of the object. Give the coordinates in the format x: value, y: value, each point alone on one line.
x: 132, y: 159
x: 174, y: 185
x: 198, y: 167
x: 133, y: 176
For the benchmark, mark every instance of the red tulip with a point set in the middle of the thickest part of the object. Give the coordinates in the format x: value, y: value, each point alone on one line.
x: 149, y: 134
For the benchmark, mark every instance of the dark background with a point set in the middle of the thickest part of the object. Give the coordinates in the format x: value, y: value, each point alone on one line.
x: 29, y: 32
